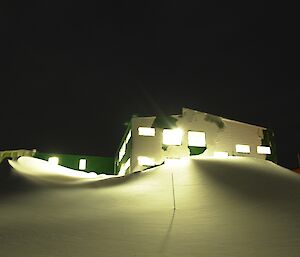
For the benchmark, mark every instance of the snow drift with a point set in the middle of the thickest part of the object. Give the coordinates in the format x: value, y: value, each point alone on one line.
x: 42, y: 170
x: 202, y: 207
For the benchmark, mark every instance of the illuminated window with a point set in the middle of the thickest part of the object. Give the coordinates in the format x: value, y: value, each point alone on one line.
x: 145, y: 161
x: 127, y: 164
x: 82, y: 164
x: 123, y: 148
x: 124, y: 167
x: 122, y: 151
x: 172, y: 136
x: 220, y: 154
x: 196, y: 139
x: 263, y: 150
x: 128, y: 137
x: 143, y: 131
x: 242, y: 148
x: 53, y: 160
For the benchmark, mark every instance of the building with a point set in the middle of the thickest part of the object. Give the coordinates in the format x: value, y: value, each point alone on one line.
x: 151, y: 141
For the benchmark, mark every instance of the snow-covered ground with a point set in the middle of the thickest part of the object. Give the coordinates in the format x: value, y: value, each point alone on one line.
x: 223, y: 207
x: 41, y: 170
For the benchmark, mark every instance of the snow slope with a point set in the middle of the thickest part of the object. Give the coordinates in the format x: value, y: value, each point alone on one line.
x: 42, y: 170
x: 224, y: 207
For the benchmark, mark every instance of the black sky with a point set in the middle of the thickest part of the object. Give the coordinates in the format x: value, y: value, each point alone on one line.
x: 72, y: 73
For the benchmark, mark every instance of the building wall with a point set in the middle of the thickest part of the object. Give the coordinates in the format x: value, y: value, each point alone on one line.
x: 123, y: 155
x: 145, y: 145
x: 222, y: 135
x: 97, y: 164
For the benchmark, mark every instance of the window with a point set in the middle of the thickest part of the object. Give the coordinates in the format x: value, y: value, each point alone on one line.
x: 172, y: 136
x: 196, y: 139
x: 123, y: 148
x: 124, y: 167
x: 128, y: 137
x: 53, y: 160
x: 145, y: 161
x: 220, y: 154
x: 82, y: 164
x: 242, y: 148
x: 263, y: 150
x: 122, y: 151
x: 144, y: 131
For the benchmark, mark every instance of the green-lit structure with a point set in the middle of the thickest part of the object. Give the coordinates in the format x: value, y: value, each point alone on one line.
x: 97, y: 164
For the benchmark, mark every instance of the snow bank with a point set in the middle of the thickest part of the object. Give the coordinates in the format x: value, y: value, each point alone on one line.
x: 224, y: 207
x: 44, y: 171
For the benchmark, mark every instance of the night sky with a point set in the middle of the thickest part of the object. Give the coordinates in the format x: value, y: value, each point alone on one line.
x: 73, y: 73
